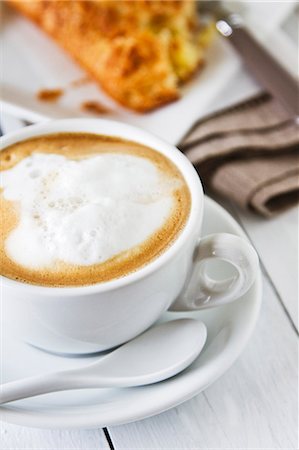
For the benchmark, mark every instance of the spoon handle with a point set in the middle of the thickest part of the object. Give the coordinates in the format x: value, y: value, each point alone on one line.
x: 36, y: 385
x: 52, y: 382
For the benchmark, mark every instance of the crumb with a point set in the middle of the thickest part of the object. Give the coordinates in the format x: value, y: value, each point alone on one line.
x: 49, y: 95
x: 94, y: 107
x: 80, y: 82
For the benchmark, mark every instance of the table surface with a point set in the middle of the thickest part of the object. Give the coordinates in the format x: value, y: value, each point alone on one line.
x: 253, y: 406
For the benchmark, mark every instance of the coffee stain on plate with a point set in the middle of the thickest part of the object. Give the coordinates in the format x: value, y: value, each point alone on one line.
x: 80, y: 82
x: 89, y: 106
x: 49, y: 95
x: 94, y: 107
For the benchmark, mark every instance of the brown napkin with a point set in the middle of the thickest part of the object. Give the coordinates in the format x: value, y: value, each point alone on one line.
x: 248, y: 153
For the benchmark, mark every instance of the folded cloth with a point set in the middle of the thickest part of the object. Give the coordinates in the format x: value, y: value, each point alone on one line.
x: 248, y: 153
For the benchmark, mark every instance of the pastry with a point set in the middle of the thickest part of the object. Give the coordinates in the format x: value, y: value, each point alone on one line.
x: 138, y: 51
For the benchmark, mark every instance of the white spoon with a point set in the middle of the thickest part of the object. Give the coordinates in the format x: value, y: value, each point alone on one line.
x: 157, y: 354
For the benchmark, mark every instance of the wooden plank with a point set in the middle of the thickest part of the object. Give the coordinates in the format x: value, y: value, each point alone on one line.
x: 253, y: 406
x: 14, y: 437
x: 276, y: 241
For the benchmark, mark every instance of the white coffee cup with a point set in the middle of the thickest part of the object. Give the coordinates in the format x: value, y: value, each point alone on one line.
x: 101, y: 316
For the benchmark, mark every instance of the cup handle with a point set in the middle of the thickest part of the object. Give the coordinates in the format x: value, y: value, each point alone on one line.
x: 204, y: 292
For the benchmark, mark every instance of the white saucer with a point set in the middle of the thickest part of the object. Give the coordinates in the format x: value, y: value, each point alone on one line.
x: 229, y: 328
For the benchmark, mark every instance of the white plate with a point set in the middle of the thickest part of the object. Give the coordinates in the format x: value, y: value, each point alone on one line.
x: 31, y: 61
x: 229, y: 328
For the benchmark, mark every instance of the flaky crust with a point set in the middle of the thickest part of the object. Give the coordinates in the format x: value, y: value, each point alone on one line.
x: 138, y: 51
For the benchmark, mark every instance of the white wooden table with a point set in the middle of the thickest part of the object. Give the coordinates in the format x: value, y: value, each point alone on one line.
x: 253, y: 406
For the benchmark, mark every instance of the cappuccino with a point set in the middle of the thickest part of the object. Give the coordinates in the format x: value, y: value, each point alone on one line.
x: 79, y: 209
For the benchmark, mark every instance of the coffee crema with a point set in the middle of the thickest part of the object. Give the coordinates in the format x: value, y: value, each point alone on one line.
x: 79, y: 209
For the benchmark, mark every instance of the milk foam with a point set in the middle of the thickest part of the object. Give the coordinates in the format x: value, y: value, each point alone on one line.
x: 84, y: 212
